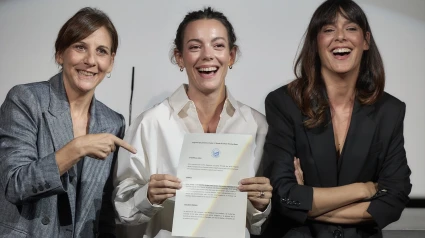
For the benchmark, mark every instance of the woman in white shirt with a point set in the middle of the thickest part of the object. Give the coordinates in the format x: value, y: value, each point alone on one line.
x: 146, y: 182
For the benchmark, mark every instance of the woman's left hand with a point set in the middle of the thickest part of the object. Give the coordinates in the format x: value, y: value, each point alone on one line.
x: 298, y: 172
x: 259, y: 191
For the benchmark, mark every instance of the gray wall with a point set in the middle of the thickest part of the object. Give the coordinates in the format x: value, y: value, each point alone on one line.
x: 269, y: 33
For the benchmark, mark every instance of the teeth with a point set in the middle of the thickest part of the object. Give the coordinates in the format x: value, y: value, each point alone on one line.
x: 208, y: 69
x: 86, y: 73
x: 341, y: 50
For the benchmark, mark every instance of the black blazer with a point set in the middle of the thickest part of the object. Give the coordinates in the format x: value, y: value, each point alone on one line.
x: 373, y: 151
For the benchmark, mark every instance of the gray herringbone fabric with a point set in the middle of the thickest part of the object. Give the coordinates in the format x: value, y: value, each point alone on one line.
x: 35, y: 201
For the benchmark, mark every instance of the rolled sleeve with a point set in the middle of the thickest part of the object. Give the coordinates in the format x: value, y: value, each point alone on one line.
x: 394, y: 179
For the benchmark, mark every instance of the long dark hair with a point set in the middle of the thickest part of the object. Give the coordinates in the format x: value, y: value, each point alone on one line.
x: 307, y: 89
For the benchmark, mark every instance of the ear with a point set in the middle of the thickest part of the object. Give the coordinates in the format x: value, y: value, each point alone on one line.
x: 59, y: 58
x: 112, y: 63
x: 233, y: 55
x: 179, y: 58
x: 367, y: 41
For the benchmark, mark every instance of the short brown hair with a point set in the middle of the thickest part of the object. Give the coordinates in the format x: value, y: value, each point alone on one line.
x: 86, y: 21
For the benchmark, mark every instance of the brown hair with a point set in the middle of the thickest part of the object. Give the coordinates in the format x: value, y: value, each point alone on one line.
x: 308, y: 90
x: 206, y: 13
x: 86, y: 21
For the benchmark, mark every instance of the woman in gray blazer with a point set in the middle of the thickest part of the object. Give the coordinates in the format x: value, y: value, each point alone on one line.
x: 58, y: 143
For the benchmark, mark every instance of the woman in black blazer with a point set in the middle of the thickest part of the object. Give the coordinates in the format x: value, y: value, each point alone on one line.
x: 353, y: 177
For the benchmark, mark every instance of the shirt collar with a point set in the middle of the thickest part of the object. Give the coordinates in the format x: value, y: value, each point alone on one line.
x: 179, y: 100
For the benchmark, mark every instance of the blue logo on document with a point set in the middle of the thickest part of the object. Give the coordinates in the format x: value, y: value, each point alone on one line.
x: 215, y: 153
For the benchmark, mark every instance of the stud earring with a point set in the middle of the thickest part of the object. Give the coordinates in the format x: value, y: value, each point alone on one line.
x: 230, y: 66
x: 181, y: 69
x: 108, y: 75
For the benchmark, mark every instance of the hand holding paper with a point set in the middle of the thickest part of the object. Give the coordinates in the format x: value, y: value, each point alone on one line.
x: 259, y: 191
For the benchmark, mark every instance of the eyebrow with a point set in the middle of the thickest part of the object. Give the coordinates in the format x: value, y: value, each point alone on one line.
x: 101, y: 46
x: 215, y: 39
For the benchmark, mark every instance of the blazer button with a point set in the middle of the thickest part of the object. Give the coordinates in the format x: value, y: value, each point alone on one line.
x: 40, y: 187
x: 283, y: 200
x: 45, y: 220
x: 297, y: 203
x: 337, y: 233
x: 47, y: 185
x: 34, y: 190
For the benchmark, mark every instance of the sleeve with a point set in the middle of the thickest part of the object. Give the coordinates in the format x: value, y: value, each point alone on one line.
x: 393, y: 180
x: 132, y: 174
x: 107, y: 217
x: 256, y: 218
x: 24, y: 176
x: 290, y: 199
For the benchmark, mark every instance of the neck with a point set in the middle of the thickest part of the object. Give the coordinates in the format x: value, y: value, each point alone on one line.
x: 341, y: 89
x: 209, y: 106
x: 79, y: 104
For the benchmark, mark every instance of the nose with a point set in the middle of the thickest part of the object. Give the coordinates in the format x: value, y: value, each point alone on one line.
x: 89, y: 58
x: 207, y: 53
x: 340, y: 35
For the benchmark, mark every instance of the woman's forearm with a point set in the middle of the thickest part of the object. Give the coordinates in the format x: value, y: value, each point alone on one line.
x: 328, y: 199
x: 351, y: 214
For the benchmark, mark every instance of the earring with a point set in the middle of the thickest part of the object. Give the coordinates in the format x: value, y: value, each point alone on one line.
x: 181, y: 69
x: 108, y: 75
x: 230, y: 66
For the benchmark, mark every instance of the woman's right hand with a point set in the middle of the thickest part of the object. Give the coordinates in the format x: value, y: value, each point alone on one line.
x: 370, y: 189
x: 161, y: 187
x: 99, y: 146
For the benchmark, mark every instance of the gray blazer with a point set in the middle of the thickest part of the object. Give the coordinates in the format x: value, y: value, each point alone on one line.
x: 35, y: 201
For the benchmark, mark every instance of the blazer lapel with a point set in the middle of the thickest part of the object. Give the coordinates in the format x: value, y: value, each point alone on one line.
x: 323, y: 151
x: 59, y: 117
x: 92, y: 170
x: 357, y: 143
x: 58, y: 120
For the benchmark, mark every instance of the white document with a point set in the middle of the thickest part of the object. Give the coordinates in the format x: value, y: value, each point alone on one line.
x: 209, y: 203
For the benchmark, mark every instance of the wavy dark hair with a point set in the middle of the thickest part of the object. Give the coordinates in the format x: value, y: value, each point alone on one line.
x: 206, y: 13
x: 308, y: 90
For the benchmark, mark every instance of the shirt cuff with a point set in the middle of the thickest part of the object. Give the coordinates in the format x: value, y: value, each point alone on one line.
x: 256, y: 218
x: 142, y: 203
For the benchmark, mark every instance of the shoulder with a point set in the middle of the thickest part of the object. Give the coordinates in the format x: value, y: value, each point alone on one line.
x: 280, y: 96
x: 257, y: 116
x: 112, y: 117
x: 280, y: 100
x: 390, y: 106
x: 154, y: 114
x: 29, y: 90
x: 32, y: 96
x: 388, y: 100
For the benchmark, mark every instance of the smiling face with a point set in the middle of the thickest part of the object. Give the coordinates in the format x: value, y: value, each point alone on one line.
x: 341, y: 47
x: 85, y: 63
x: 206, y: 55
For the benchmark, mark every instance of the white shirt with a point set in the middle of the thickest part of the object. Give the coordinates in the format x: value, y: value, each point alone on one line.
x: 158, y: 134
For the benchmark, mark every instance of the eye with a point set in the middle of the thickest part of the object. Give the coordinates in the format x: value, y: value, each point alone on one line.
x: 219, y: 45
x: 328, y: 30
x: 102, y: 51
x: 194, y: 47
x: 79, y: 47
x: 352, y: 28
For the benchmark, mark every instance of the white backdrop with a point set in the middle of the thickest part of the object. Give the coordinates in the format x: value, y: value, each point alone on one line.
x: 269, y: 33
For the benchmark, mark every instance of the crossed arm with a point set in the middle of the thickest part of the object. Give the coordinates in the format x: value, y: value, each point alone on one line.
x: 341, y: 205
